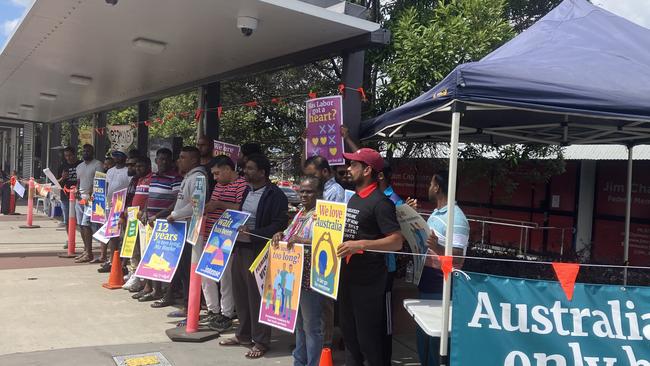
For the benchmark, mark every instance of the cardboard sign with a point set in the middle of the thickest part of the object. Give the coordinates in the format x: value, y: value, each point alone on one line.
x: 99, y: 199
x: 282, y: 284
x: 131, y: 233
x: 218, y: 249
x: 323, y: 130
x: 160, y: 260
x: 327, y: 236
x: 230, y: 150
x: 198, y: 203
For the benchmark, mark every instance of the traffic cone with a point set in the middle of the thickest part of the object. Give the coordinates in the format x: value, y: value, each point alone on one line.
x: 326, y: 357
x: 116, y: 278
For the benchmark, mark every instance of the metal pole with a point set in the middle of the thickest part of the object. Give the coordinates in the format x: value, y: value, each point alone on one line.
x: 451, y: 204
x: 628, y: 212
x: 483, y: 233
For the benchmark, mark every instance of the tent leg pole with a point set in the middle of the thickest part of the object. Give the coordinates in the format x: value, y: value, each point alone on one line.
x: 628, y: 212
x: 451, y: 203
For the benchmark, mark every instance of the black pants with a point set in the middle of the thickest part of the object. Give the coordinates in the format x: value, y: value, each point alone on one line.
x: 181, y: 279
x: 247, y: 296
x: 362, y: 314
x: 388, y: 339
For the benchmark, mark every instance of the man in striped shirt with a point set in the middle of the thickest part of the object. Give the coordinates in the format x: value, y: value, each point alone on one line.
x: 163, y: 189
x: 227, y: 194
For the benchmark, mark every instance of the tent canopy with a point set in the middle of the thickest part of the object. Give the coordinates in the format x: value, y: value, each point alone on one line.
x: 580, y: 75
x: 138, y: 50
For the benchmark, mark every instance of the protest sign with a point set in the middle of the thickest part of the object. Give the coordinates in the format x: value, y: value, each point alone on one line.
x: 100, y: 235
x: 198, y: 201
x: 145, y: 235
x: 416, y: 231
x: 163, y: 253
x: 19, y: 189
x: 121, y: 136
x: 514, y: 321
x: 327, y: 236
x: 113, y: 219
x: 99, y: 199
x: 51, y: 177
x: 260, y: 266
x: 216, y: 254
x: 230, y: 150
x: 282, y: 283
x: 323, y: 130
x: 131, y: 233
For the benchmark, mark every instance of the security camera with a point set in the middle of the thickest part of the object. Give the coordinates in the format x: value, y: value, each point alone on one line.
x: 111, y: 2
x: 247, y: 25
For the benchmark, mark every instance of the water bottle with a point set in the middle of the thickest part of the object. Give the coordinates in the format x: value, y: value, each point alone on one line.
x: 409, y: 272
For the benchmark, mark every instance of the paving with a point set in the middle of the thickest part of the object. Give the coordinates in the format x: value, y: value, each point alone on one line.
x: 55, y: 312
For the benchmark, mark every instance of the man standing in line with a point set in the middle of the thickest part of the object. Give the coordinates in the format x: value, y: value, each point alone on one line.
x: 371, y: 224
x: 189, y: 163
x: 85, y: 176
x: 206, y: 149
x: 268, y: 207
x: 117, y: 178
x: 67, y: 179
x: 228, y: 193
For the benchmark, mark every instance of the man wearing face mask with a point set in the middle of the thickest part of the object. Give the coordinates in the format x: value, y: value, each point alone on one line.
x: 85, y: 175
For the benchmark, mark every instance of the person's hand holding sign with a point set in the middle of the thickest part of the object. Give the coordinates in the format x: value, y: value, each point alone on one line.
x: 350, y: 247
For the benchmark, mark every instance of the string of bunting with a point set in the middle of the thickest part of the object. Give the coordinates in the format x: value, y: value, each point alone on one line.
x: 198, y: 113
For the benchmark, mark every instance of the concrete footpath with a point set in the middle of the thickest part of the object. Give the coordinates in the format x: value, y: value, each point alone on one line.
x: 55, y: 312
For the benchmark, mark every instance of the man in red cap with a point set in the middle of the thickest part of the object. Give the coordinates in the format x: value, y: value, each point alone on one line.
x: 371, y: 224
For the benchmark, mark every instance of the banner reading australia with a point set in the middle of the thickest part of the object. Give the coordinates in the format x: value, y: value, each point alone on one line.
x: 517, y: 322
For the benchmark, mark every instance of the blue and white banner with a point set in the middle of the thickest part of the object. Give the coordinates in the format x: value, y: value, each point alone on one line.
x: 519, y: 322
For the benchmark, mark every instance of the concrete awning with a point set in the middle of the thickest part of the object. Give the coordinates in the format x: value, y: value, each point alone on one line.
x: 202, y: 43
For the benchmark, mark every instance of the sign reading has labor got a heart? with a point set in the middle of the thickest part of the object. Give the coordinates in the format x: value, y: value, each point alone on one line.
x: 323, y: 129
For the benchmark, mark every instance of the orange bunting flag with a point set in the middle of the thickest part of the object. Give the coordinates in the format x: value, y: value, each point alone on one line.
x: 363, y: 94
x: 566, y: 274
x: 198, y: 114
x: 276, y: 100
x: 251, y: 104
x: 312, y: 95
x: 147, y: 123
x: 446, y: 265
x: 341, y: 88
x: 160, y: 120
x: 219, y: 110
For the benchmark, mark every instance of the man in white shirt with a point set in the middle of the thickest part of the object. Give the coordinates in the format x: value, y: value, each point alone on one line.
x: 85, y: 175
x: 117, y: 178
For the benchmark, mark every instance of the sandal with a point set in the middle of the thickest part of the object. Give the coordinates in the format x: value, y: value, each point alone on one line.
x: 162, y: 303
x: 83, y: 259
x: 181, y: 323
x: 97, y: 260
x: 139, y: 294
x: 230, y: 342
x: 255, y: 352
x: 177, y: 314
x: 148, y: 297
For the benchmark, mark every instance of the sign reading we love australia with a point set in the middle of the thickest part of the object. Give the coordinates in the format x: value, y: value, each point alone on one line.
x: 323, y: 131
x: 518, y: 322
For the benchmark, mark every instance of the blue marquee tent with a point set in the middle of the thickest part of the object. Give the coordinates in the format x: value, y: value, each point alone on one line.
x: 580, y: 75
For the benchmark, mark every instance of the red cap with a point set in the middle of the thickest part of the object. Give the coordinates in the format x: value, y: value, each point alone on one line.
x: 368, y: 156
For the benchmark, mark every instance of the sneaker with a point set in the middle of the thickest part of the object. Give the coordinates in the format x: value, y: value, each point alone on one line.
x: 127, y: 277
x: 221, y: 324
x: 130, y: 282
x: 208, y: 318
x: 105, y: 268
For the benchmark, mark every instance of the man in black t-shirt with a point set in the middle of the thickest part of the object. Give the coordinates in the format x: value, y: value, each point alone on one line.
x: 371, y: 224
x: 67, y: 178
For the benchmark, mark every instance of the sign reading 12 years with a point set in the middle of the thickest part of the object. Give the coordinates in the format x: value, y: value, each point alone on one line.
x: 323, y: 131
x: 518, y: 322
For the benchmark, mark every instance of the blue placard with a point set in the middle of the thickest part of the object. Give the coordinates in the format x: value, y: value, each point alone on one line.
x: 518, y: 322
x: 218, y: 248
x: 161, y: 258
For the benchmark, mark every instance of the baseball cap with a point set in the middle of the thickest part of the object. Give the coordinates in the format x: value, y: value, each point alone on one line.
x: 367, y: 156
x: 118, y: 153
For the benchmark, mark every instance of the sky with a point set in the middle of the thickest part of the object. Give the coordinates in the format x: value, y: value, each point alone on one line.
x: 638, y: 11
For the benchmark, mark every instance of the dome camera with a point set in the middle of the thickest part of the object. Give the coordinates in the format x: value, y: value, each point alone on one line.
x: 247, y: 25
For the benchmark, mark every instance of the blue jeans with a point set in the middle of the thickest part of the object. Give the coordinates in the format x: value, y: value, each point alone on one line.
x: 309, y: 333
x: 65, y: 209
x: 428, y: 347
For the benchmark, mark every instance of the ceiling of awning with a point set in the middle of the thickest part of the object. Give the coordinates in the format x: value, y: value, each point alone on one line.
x: 60, y: 38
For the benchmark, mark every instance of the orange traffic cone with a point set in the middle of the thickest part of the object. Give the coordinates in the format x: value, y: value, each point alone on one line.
x: 116, y: 278
x: 326, y: 358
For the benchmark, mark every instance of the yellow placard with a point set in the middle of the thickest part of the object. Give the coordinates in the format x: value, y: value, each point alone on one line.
x: 131, y: 233
x: 327, y: 236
